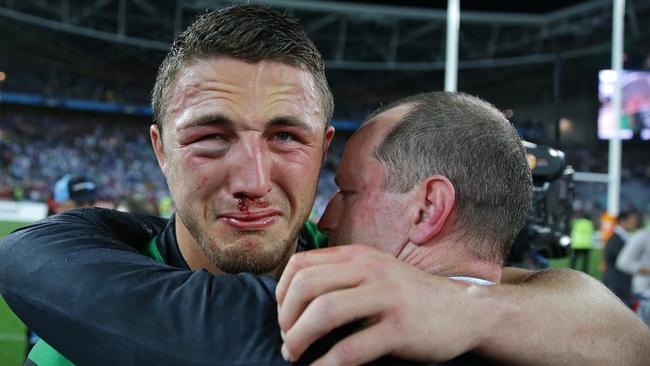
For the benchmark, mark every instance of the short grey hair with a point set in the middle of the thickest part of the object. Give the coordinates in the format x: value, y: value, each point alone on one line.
x: 470, y: 142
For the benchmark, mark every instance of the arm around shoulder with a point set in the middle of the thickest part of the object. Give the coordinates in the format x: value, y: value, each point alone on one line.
x: 77, y: 282
x: 561, y: 316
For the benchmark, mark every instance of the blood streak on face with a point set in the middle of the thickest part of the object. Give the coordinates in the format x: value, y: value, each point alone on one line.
x: 244, y: 204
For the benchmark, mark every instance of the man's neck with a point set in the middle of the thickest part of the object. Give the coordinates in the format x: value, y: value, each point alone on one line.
x: 449, y: 259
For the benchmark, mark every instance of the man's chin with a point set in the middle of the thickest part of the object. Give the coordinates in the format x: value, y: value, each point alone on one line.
x: 238, y: 260
x: 249, y: 251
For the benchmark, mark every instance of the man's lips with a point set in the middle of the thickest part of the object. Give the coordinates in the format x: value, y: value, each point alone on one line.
x: 250, y: 220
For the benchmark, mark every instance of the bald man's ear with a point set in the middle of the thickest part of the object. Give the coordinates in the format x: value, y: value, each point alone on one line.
x: 437, y: 198
x: 157, y: 143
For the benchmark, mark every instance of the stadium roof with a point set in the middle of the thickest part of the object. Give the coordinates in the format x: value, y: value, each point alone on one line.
x: 380, y: 35
x: 517, y: 41
x: 506, y: 6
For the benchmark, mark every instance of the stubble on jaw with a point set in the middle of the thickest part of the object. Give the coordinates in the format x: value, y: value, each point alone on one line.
x: 265, y: 256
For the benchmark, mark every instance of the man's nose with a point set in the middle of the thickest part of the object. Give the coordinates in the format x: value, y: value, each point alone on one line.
x: 329, y: 221
x: 251, y: 170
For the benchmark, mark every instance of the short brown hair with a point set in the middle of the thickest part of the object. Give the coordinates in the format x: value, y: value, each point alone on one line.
x: 471, y: 143
x: 246, y: 32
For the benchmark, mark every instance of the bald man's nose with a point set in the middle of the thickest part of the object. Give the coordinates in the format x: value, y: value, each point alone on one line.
x: 329, y: 221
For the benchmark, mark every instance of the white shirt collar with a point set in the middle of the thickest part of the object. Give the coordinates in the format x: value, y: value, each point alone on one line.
x: 472, y: 280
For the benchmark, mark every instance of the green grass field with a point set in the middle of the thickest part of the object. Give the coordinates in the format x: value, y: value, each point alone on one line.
x: 12, y: 337
x: 12, y: 331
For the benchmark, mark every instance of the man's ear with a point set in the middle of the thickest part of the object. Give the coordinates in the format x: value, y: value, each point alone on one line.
x: 437, y: 199
x: 329, y: 135
x: 157, y: 143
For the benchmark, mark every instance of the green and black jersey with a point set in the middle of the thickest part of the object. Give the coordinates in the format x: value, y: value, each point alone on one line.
x: 164, y: 249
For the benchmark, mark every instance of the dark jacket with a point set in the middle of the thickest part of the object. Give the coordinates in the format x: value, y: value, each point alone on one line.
x: 619, y: 282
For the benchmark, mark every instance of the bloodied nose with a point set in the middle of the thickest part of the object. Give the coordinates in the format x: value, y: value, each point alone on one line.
x: 250, y: 173
x: 245, y: 204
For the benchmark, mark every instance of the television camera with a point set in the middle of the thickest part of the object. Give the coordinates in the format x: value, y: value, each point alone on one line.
x: 547, y: 230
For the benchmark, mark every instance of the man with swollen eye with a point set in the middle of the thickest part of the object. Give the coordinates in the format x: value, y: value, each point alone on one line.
x: 242, y: 111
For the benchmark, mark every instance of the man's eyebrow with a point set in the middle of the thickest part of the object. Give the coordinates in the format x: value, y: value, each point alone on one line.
x: 289, y: 121
x: 208, y: 120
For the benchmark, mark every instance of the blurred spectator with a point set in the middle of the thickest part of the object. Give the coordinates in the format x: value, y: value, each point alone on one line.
x: 634, y: 259
x: 72, y: 192
x: 618, y: 281
x: 582, y: 241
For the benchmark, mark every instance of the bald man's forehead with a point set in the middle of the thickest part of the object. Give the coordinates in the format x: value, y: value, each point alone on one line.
x: 391, y: 116
x: 381, y: 124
